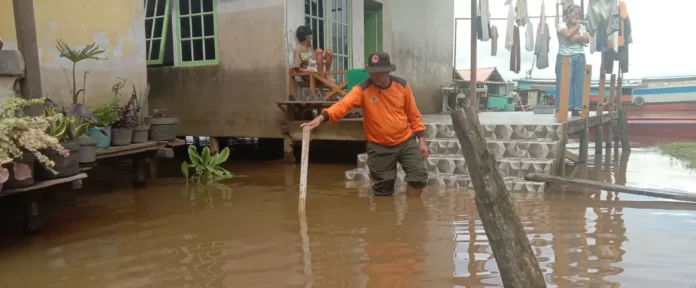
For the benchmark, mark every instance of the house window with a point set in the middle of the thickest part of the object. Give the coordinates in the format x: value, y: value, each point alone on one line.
x: 314, y: 19
x: 340, y: 36
x: 330, y: 22
x: 197, y: 31
x: 156, y: 28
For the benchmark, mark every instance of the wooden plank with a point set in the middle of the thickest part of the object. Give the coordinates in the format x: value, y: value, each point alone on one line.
x: 136, y: 148
x: 304, y: 162
x: 333, y: 72
x: 673, y: 195
x: 586, y: 92
x: 572, y: 156
x: 43, y: 184
x: 565, y: 90
x: 511, y: 248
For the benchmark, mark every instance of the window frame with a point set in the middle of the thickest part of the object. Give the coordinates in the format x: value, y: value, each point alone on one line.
x: 162, y: 37
x: 177, y: 19
x: 328, y: 21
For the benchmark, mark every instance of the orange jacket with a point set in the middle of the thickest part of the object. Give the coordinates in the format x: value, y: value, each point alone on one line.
x: 390, y: 115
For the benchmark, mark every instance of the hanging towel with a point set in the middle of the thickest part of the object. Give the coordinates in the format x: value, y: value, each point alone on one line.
x: 510, y: 28
x: 494, y: 40
x: 541, y: 49
x: 485, y: 13
x: 529, y: 37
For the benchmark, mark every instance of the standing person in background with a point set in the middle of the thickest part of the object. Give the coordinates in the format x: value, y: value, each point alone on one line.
x: 571, y: 39
x: 391, y: 122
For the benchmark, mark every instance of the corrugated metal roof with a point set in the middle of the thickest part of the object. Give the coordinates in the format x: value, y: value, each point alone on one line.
x: 482, y: 74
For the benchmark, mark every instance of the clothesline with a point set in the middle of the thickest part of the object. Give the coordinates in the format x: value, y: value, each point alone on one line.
x: 530, y: 17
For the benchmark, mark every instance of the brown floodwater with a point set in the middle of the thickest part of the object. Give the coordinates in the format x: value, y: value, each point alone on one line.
x: 247, y: 233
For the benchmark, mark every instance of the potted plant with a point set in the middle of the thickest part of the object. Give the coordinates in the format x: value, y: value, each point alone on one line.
x: 65, y: 164
x: 122, y: 130
x: 80, y: 119
x: 162, y: 126
x: 23, y: 139
x: 141, y: 130
x: 106, y: 116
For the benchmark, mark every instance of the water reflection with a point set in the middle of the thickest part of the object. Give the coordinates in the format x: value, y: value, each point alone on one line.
x: 248, y: 233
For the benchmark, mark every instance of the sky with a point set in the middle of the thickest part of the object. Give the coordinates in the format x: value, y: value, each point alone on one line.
x: 653, y: 53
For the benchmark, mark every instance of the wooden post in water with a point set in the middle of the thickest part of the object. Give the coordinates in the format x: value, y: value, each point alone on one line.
x: 304, y: 162
x: 513, y: 253
x: 610, y: 125
x: 565, y: 90
x: 599, y: 131
x: 586, y: 92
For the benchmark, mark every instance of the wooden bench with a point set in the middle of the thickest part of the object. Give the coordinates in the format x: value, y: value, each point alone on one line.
x: 317, y: 80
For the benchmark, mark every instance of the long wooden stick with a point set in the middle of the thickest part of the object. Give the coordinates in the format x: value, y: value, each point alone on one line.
x: 612, y: 187
x: 516, y: 261
x: 303, y: 166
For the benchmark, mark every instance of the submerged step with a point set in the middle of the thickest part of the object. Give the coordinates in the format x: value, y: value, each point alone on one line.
x: 500, y: 148
x: 453, y: 181
x: 552, y: 132
x: 456, y: 165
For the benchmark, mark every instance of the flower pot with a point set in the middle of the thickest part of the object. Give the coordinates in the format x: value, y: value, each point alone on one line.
x: 140, y: 133
x: 65, y: 166
x: 162, y: 128
x: 121, y: 136
x: 104, y: 140
x: 28, y: 159
x: 88, y: 149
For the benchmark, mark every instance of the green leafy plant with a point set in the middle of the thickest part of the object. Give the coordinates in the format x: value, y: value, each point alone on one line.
x: 206, y: 167
x: 91, y: 51
x: 107, y: 114
x: 59, y: 124
x: 19, y: 134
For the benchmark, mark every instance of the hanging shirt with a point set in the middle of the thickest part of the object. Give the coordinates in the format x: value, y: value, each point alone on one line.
x: 390, y: 114
x: 529, y: 37
x: 515, y: 59
x: 542, y: 18
x: 541, y: 49
x: 494, y: 40
x: 485, y: 13
x: 605, y: 12
x: 510, y: 27
x: 522, y: 13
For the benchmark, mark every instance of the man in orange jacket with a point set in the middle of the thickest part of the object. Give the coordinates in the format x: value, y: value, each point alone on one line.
x: 391, y: 122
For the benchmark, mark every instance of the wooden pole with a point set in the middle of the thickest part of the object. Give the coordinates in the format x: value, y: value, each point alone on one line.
x: 586, y: 92
x: 609, y: 137
x: 303, y: 166
x: 599, y: 130
x: 565, y: 90
x: 473, y: 98
x: 513, y: 253
x: 673, y: 195
x: 25, y: 27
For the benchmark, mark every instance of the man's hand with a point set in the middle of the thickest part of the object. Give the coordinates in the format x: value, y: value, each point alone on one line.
x: 423, y: 147
x: 314, y: 123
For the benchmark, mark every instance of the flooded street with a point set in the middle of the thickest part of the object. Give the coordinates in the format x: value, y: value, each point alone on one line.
x: 247, y: 233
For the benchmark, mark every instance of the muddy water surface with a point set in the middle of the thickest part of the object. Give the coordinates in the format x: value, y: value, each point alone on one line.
x: 248, y: 233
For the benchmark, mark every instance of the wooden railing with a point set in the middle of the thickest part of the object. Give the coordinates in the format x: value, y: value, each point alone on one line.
x: 614, y: 103
x: 318, y: 80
